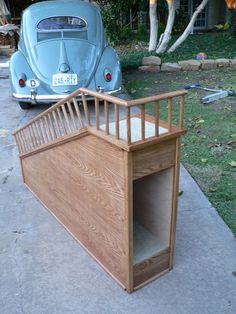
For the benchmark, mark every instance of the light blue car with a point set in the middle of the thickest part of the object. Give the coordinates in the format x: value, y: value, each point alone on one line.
x: 62, y: 47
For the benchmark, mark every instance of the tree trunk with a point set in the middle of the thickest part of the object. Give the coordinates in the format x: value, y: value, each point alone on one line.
x: 233, y: 22
x: 153, y: 25
x: 164, y: 40
x: 189, y: 28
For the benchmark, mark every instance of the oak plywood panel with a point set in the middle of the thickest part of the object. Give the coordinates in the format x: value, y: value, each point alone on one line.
x: 83, y: 184
x: 153, y: 159
x: 153, y: 204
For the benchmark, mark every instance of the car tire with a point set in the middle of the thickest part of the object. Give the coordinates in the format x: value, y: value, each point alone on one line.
x: 25, y: 105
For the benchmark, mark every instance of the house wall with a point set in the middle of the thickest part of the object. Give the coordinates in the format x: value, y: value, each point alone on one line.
x: 216, y: 13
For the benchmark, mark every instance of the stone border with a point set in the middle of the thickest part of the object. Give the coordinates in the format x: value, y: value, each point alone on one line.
x: 154, y: 64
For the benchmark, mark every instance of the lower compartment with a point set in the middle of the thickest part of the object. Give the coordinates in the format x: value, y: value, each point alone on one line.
x: 149, y: 269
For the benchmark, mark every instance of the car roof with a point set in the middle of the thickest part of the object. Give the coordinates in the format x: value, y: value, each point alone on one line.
x: 75, y: 8
x: 59, y: 7
x: 41, y: 10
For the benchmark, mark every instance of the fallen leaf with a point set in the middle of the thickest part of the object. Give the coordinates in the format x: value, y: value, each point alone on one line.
x: 200, y: 121
x: 232, y: 163
x: 204, y: 160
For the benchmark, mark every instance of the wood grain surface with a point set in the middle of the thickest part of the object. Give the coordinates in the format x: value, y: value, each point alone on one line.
x: 151, y: 267
x: 153, y: 158
x: 83, y: 184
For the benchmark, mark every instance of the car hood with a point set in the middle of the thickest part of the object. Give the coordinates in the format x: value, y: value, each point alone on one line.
x: 81, y: 57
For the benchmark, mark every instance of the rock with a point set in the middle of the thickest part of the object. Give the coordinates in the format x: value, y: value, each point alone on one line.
x: 223, y: 63
x: 190, y: 65
x: 152, y: 60
x: 232, y: 63
x: 208, y: 64
x: 150, y: 68
x: 170, y: 67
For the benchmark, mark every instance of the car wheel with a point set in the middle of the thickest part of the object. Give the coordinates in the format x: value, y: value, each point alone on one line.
x: 25, y: 105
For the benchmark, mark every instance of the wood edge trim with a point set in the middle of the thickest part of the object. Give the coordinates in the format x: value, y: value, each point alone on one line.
x: 155, y: 140
x: 55, y: 143
x: 152, y: 279
x: 175, y: 196
x: 128, y: 229
x: 149, y: 99
x: 163, y: 168
x: 77, y: 240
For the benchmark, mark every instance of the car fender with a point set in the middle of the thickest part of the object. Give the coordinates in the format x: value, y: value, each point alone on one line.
x: 109, y: 61
x: 19, y: 66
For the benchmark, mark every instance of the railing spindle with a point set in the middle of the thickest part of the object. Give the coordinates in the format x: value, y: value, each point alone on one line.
x: 181, y: 112
x: 117, y: 116
x: 72, y: 115
x: 18, y: 142
x: 40, y: 132
x: 106, y: 116
x: 52, y: 125
x: 49, y: 134
x: 169, y: 114
x: 128, y: 125
x: 66, y: 117
x: 36, y: 134
x: 97, y: 112
x: 143, y: 122
x: 78, y: 112
x: 22, y: 141
x: 29, y: 137
x: 24, y: 136
x: 86, y: 111
x: 157, y: 118
x: 56, y: 122
x: 61, y: 120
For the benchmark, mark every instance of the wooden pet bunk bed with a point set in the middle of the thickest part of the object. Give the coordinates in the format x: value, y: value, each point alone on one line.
x: 112, y: 183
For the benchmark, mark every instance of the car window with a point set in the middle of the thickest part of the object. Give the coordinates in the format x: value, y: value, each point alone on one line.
x: 62, y: 22
x: 62, y: 27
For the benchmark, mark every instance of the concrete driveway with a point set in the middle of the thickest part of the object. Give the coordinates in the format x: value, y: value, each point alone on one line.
x: 44, y: 270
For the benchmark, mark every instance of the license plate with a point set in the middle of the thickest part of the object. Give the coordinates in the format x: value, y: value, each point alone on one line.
x: 64, y: 79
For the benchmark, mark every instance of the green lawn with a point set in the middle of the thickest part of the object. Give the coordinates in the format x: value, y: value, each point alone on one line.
x: 209, y: 148
x: 215, y: 45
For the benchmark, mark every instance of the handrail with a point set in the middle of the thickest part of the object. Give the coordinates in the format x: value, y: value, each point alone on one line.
x: 68, y: 117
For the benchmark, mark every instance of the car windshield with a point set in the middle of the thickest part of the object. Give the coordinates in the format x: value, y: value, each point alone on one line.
x: 62, y: 22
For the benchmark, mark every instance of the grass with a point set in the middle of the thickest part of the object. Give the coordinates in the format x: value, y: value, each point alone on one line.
x: 209, y: 149
x: 215, y: 45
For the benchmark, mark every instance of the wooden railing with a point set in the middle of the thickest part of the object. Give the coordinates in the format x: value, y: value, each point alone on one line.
x: 112, y: 120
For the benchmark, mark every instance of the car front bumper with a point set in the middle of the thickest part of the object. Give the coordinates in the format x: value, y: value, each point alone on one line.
x: 37, y: 99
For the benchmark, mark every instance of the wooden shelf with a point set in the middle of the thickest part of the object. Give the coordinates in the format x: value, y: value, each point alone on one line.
x: 146, y: 244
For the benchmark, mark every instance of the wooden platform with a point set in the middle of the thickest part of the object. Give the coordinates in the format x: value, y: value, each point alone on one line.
x: 112, y: 183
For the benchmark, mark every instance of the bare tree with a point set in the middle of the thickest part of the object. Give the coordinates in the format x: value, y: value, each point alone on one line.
x: 153, y: 25
x: 165, y: 38
x: 189, y: 28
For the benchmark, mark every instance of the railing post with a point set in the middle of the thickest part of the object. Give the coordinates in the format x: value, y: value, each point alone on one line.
x: 169, y: 115
x: 143, y: 122
x: 157, y: 118
x: 97, y: 113
x: 181, y: 114
x: 128, y: 125
x: 106, y: 116
x: 78, y: 113
x: 117, y: 117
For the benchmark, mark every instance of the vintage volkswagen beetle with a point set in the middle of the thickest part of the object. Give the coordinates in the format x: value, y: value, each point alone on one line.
x: 62, y: 47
